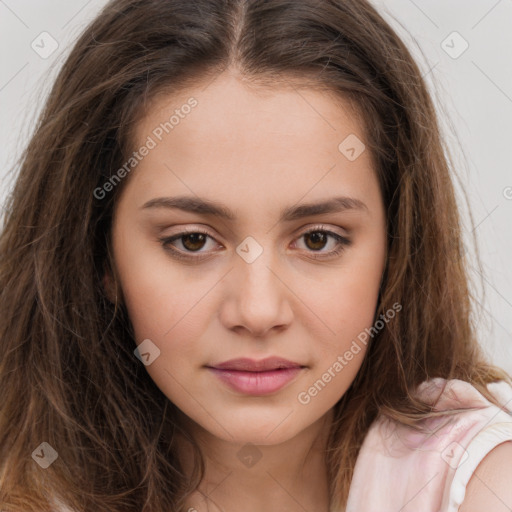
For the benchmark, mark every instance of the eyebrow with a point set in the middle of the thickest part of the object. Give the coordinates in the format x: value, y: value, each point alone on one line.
x: 213, y: 208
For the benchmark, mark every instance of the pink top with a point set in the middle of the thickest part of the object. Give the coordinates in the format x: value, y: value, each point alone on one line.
x: 400, y: 469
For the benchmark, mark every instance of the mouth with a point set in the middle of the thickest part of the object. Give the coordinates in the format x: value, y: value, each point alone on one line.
x: 253, y: 377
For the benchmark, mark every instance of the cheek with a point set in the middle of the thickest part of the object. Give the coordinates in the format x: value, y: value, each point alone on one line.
x: 344, y: 308
x: 159, y: 298
x: 345, y: 304
x: 342, y: 312
x: 163, y: 310
x: 355, y: 302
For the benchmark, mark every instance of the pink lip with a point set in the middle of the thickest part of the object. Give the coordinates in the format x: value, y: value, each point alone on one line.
x: 257, y: 377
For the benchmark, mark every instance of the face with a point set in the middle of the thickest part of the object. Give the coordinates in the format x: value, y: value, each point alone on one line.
x: 274, y: 277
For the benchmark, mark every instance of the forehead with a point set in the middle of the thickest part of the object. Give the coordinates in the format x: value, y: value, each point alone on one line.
x: 242, y: 112
x: 243, y: 138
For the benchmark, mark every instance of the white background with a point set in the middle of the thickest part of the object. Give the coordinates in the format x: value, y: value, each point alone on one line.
x: 473, y: 93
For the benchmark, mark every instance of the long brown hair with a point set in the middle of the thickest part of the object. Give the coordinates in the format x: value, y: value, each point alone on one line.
x: 68, y: 374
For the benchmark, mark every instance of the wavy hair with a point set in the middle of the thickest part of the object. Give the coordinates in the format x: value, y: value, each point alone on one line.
x: 68, y: 374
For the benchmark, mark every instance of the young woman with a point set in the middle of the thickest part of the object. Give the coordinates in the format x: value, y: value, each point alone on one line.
x: 231, y: 276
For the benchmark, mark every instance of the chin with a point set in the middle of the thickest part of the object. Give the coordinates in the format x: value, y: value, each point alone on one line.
x: 255, y: 431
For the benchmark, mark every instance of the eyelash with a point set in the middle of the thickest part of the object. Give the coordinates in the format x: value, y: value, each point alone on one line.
x: 341, y: 245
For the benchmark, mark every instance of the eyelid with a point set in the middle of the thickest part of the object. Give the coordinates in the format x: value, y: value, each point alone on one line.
x: 299, y: 232
x: 323, y: 227
x: 342, y: 242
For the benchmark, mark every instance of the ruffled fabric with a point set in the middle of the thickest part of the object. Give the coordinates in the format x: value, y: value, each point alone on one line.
x: 402, y: 469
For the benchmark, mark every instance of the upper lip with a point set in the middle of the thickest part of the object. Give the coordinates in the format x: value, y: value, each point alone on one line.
x: 251, y: 365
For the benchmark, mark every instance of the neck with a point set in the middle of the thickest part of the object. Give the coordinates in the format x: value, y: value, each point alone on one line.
x: 288, y: 476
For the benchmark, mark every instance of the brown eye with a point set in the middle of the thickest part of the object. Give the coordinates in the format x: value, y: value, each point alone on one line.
x: 183, y: 245
x: 193, y: 241
x: 318, y: 240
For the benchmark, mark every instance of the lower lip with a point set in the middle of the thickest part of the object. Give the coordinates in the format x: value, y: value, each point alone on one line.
x: 257, y: 383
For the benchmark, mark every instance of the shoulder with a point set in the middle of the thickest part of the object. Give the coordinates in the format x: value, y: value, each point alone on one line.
x: 464, y: 454
x: 489, y: 487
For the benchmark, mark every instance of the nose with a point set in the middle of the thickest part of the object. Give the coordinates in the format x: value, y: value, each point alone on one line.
x: 257, y: 297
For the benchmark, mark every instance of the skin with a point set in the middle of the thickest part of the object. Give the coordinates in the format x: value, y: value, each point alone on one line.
x: 489, y: 487
x: 258, y: 152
